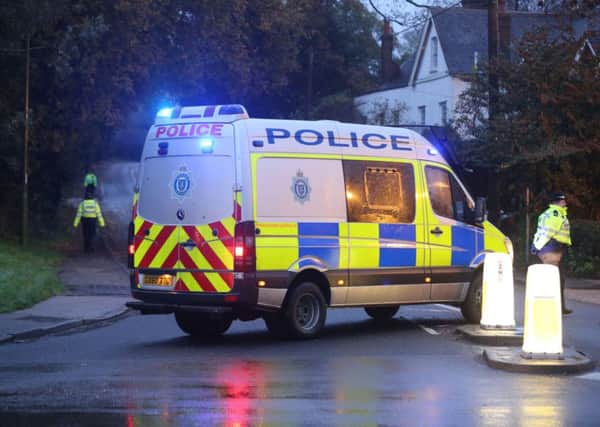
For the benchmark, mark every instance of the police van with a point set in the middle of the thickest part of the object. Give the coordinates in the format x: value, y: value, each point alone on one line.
x: 241, y: 218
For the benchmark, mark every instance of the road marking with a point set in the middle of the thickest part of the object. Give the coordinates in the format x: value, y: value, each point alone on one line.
x: 423, y: 327
x: 428, y: 330
x: 592, y: 376
x: 449, y: 307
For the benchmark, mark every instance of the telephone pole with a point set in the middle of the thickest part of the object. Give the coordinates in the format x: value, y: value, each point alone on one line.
x: 25, y: 207
x: 493, y: 52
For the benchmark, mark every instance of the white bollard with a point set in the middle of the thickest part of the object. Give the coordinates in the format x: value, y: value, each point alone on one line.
x: 542, y: 330
x: 498, y: 293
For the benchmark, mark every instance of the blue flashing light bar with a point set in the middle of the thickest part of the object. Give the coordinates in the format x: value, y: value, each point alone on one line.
x: 164, y: 112
x: 232, y: 109
x: 207, y: 145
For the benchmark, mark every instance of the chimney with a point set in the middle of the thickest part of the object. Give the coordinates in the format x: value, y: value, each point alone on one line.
x: 387, y: 47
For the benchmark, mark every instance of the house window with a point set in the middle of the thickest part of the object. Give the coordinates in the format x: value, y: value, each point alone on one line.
x: 444, y: 112
x: 434, y: 54
x: 422, y: 115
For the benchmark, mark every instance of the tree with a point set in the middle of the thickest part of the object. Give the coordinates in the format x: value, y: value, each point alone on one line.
x: 549, y: 97
x: 104, y: 62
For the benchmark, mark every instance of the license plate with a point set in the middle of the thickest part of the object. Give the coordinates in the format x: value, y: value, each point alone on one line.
x: 165, y: 280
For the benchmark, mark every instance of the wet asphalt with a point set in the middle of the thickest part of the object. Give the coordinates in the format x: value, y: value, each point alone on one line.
x: 415, y: 370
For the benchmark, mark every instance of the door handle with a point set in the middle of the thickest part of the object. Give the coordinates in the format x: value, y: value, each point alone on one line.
x: 436, y: 230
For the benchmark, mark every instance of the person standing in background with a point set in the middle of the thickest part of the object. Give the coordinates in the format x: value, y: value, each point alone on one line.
x: 90, y: 214
x: 553, y: 237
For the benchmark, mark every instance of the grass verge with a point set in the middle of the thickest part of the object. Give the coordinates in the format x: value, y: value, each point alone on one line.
x: 27, y: 275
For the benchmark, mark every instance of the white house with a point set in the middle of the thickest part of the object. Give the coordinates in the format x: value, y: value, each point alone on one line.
x: 452, y: 44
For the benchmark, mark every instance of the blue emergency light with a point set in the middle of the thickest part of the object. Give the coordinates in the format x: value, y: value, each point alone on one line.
x: 164, y: 112
x: 207, y: 145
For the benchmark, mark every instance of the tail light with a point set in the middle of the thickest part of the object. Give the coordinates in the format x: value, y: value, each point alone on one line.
x: 244, y: 259
x: 130, y: 246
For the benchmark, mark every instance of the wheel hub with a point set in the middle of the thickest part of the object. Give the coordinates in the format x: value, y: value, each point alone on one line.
x: 307, y: 311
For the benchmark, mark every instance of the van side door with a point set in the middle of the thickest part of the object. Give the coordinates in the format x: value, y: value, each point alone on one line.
x: 452, y: 237
x: 386, y: 233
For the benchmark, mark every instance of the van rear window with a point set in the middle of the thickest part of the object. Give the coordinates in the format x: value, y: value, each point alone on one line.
x: 186, y: 190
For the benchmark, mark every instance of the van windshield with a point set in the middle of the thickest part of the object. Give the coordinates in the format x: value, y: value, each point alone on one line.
x: 186, y: 190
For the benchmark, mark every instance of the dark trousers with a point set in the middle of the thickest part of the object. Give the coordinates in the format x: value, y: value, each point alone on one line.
x: 89, y: 233
x: 555, y: 258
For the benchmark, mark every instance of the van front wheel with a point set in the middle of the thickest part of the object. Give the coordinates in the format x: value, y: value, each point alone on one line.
x: 305, y: 311
x: 471, y: 307
x: 202, y: 326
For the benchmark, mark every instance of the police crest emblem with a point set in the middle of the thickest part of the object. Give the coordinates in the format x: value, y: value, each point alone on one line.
x: 181, y: 183
x: 300, y: 187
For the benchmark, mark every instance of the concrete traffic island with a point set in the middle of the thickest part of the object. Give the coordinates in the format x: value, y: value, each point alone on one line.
x: 542, y: 351
x: 511, y: 359
x: 494, y: 337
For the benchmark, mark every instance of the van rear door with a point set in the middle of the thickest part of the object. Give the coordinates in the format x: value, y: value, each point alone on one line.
x: 187, y: 194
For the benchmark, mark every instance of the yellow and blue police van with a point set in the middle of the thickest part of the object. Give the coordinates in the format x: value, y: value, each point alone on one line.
x: 242, y: 218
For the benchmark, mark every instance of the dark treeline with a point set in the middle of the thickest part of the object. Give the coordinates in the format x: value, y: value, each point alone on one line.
x: 99, y: 70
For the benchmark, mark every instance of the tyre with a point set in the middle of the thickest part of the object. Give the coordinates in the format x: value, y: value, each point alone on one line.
x: 201, y: 325
x: 471, y: 307
x: 277, y: 324
x: 305, y: 311
x: 382, y: 313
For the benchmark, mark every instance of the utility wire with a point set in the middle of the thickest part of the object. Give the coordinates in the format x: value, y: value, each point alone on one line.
x: 414, y: 24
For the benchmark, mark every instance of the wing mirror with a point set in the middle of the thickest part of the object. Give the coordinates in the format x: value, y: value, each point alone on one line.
x: 480, y: 210
x: 459, y: 210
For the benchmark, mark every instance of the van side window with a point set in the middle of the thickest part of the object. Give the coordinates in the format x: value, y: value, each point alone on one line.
x: 447, y: 196
x: 380, y: 192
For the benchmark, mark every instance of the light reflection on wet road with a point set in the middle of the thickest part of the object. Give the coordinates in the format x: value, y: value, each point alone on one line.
x: 142, y: 372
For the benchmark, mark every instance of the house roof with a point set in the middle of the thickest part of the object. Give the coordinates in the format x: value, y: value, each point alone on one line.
x: 464, y: 31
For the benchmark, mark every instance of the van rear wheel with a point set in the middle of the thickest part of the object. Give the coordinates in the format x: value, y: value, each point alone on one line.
x: 305, y: 311
x: 202, y: 326
x: 471, y: 307
x: 382, y: 313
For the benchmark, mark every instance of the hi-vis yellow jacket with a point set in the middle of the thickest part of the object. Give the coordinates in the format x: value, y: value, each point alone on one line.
x: 89, y: 208
x: 552, y: 224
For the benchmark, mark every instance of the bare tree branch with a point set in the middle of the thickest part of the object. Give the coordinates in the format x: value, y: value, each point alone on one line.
x: 383, y: 15
x: 415, y: 4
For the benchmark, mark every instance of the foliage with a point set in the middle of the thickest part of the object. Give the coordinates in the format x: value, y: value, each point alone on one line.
x: 548, y: 101
x: 27, y: 276
x: 583, y: 258
x: 97, y: 67
x: 542, y: 134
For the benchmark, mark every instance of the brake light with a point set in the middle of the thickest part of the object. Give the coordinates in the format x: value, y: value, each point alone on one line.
x: 131, y: 246
x: 244, y: 247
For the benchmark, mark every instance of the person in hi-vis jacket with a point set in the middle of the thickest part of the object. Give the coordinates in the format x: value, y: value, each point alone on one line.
x: 89, y: 213
x: 553, y: 237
